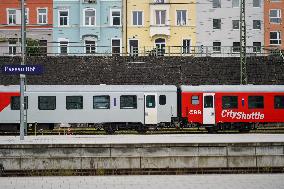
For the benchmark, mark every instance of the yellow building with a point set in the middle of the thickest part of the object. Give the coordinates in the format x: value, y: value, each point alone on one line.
x: 160, y: 27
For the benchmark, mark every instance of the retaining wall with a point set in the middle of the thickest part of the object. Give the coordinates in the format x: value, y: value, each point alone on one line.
x: 148, y: 70
x: 141, y: 156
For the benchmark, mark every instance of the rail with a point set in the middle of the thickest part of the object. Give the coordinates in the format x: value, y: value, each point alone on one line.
x: 72, y: 49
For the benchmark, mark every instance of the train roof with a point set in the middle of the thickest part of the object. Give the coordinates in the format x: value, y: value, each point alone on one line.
x: 233, y: 88
x: 91, y: 88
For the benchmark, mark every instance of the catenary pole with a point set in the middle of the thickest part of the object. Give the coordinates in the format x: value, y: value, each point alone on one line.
x: 22, y: 76
x: 243, y: 45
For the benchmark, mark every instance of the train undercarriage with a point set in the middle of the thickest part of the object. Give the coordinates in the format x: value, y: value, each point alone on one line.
x: 111, y: 128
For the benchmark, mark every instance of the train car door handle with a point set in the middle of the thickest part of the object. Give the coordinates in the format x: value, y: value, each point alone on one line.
x: 212, y: 113
x: 146, y: 113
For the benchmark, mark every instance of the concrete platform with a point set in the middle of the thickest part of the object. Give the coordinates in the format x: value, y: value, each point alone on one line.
x: 143, y: 152
x: 251, y: 181
x: 145, y: 139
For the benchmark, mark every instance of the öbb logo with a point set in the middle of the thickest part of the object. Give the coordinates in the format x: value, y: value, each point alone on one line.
x: 195, y: 112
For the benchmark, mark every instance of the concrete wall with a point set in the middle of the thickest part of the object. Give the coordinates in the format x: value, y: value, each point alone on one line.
x: 150, y: 70
x: 142, y: 156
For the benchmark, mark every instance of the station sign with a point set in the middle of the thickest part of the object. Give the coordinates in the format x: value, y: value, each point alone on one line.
x: 22, y: 69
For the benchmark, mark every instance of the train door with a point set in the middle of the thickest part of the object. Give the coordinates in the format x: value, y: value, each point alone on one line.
x: 150, y: 100
x: 208, y: 108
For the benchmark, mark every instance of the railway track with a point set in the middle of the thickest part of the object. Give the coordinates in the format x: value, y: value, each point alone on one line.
x: 166, y: 171
x: 91, y: 131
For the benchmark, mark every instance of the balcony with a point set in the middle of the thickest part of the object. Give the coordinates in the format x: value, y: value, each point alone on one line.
x: 159, y: 30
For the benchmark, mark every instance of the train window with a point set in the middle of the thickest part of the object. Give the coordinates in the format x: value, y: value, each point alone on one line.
x: 255, y: 102
x: 162, y: 99
x: 101, y: 102
x: 195, y: 100
x: 128, y: 102
x: 74, y: 102
x: 279, y: 102
x: 150, y: 101
x: 15, y: 103
x: 47, y: 102
x: 229, y: 102
x: 208, y: 101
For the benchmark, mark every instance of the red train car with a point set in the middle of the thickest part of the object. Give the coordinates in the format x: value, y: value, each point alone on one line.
x: 240, y: 107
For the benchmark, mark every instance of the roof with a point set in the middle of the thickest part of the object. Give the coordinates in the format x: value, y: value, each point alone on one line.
x: 233, y: 88
x: 91, y: 88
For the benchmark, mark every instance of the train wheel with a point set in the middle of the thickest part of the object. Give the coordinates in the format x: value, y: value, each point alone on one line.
x: 244, y: 130
x: 141, y: 129
x: 211, y: 130
x: 109, y: 130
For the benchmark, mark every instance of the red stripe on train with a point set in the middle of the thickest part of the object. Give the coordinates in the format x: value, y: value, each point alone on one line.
x: 5, y: 99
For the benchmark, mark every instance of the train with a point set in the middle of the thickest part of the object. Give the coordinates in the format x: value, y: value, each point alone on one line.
x: 141, y: 107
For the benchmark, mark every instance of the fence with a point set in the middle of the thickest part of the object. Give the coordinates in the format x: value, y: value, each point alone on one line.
x: 89, y: 50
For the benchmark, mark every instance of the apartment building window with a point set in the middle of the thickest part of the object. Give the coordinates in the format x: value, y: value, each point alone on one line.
x: 275, y: 38
x: 12, y: 46
x: 217, y: 47
x: 14, y: 16
x: 43, y: 47
x: 275, y: 16
x: 134, y: 47
x: 63, y: 17
x: 236, y: 47
x: 42, y: 16
x: 256, y: 24
x: 160, y: 46
x: 216, y: 3
x: 90, y: 47
x: 256, y: 3
x: 90, y: 17
x: 181, y: 17
x: 236, y: 24
x: 11, y: 16
x: 160, y: 17
x: 63, y: 46
x: 235, y: 3
x: 256, y: 46
x: 115, y: 18
x: 137, y: 18
x: 186, y: 46
x: 115, y: 46
x: 216, y: 23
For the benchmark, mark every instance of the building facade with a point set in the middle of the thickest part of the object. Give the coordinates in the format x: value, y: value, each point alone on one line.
x: 218, y: 25
x: 159, y: 26
x: 39, y: 21
x: 273, y: 23
x: 87, y: 27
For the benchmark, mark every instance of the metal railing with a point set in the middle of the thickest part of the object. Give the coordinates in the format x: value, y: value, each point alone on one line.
x: 195, y: 51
